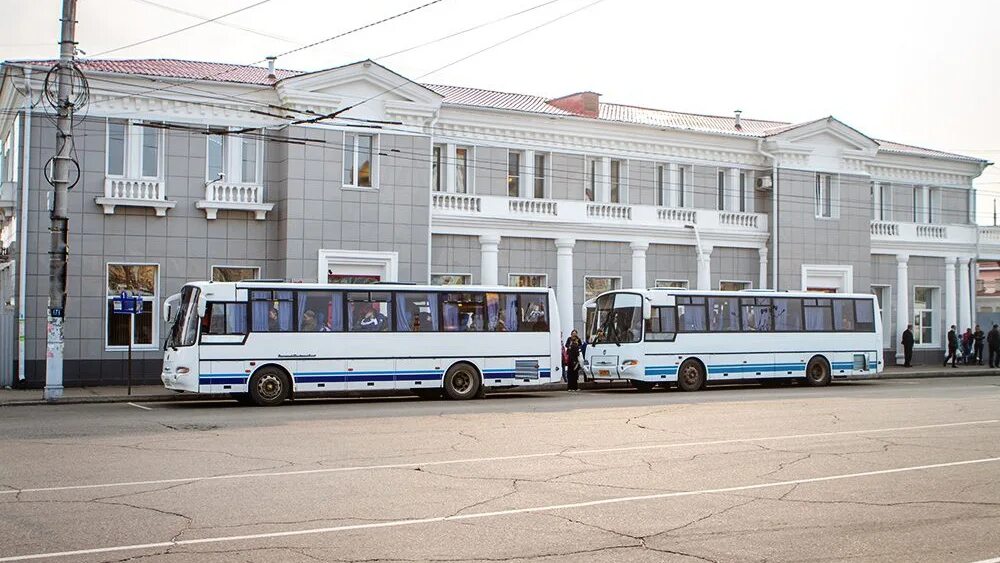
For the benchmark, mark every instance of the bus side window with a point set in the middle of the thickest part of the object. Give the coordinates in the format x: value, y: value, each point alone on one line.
x: 272, y: 311
x: 692, y: 314
x: 416, y: 312
x: 368, y: 311
x: 788, y: 314
x: 534, y: 317
x: 864, y: 315
x: 225, y: 318
x: 843, y: 314
x: 321, y: 311
x: 501, y: 312
x: 663, y: 325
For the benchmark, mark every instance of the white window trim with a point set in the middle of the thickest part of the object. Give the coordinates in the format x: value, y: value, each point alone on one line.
x: 885, y: 311
x: 545, y: 278
x: 232, y: 161
x: 153, y: 302
x: 441, y: 180
x: 376, y: 149
x: 520, y: 174
x: 661, y: 183
x: 833, y: 193
x: 617, y: 285
x: 936, y: 320
x: 722, y: 190
x: 470, y: 169
x: 749, y: 284
x: 546, y: 175
x: 387, y: 259
x: 623, y: 167
x: 845, y: 273
x: 591, y: 176
x: 882, y: 205
x: 467, y: 275
x: 682, y: 191
x: 132, y: 157
x: 213, y: 267
x: 687, y: 283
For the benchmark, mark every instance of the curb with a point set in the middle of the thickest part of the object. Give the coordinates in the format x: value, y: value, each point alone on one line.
x: 548, y: 388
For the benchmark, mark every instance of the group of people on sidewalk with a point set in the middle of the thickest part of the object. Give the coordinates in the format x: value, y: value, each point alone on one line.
x: 966, y: 348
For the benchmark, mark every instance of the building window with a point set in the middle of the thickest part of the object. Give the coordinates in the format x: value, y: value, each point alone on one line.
x: 462, y: 170
x: 436, y: 168
x: 140, y: 280
x: 661, y: 199
x: 824, y: 196
x: 617, y: 181
x: 527, y: 280
x: 539, y: 176
x: 133, y: 150
x: 234, y: 273
x: 672, y: 284
x: 451, y: 279
x: 882, y: 201
x: 590, y: 191
x: 734, y: 285
x: 359, y: 160
x: 744, y: 179
x: 233, y: 159
x: 682, y: 186
x: 924, y: 305
x: 513, y: 174
x: 596, y: 285
x: 720, y: 190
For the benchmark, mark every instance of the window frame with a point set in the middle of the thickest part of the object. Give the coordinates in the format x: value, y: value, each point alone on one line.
x: 615, y: 286
x: 465, y: 275
x: 214, y: 267
x: 657, y: 283
x: 744, y: 192
x: 747, y: 285
x: 517, y: 178
x: 661, y: 181
x: 720, y: 189
x: 152, y: 302
x: 618, y: 180
x: 823, y: 196
x: 543, y: 177
x: 202, y: 333
x: 545, y: 279
x: 437, y: 172
x: 468, y: 184
x: 591, y: 171
x: 355, y: 171
x: 132, y: 149
x: 232, y: 159
x: 933, y: 309
x: 683, y: 187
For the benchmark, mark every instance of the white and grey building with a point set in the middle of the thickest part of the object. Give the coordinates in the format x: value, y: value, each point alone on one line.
x: 194, y: 170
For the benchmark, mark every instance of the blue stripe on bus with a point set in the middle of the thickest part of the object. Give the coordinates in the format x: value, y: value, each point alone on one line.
x: 745, y: 368
x: 358, y: 376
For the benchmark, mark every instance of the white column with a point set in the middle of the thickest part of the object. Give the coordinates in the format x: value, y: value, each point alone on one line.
x: 489, y: 246
x: 450, y: 157
x: 639, y: 249
x: 528, y: 174
x: 733, y: 189
x: 762, y: 283
x: 603, y: 194
x: 564, y: 283
x: 705, y: 268
x: 950, y: 303
x: 964, y: 295
x: 902, y: 304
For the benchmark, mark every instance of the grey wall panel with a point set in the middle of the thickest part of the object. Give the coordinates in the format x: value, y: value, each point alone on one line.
x: 671, y: 262
x: 456, y: 254
x: 567, y: 176
x: 527, y: 256
x: 735, y: 264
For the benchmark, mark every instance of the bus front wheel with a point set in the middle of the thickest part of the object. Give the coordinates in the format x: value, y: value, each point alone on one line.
x: 691, y: 376
x: 818, y: 372
x: 269, y: 387
x: 462, y: 382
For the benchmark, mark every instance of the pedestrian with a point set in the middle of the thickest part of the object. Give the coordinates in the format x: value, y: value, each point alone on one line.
x: 979, y: 336
x: 952, y: 347
x: 573, y: 345
x: 967, y: 339
x: 993, y: 342
x: 908, y: 346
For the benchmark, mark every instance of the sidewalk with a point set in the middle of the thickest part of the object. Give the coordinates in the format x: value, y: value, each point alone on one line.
x: 151, y: 393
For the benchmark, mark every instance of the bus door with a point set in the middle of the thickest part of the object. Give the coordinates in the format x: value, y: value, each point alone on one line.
x: 618, y: 350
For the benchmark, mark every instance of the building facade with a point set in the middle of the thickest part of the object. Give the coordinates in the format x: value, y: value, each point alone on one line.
x: 192, y: 170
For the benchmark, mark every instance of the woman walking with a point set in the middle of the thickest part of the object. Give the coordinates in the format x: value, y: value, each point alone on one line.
x: 573, y: 344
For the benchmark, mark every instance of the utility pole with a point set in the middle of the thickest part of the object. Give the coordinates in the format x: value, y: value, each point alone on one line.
x: 59, y: 222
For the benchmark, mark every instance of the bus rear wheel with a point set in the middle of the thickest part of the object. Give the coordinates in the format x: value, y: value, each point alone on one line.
x: 269, y: 387
x: 462, y: 382
x: 818, y: 372
x: 691, y: 376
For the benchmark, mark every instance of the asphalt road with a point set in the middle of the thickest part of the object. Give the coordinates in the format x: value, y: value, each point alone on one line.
x: 901, y: 470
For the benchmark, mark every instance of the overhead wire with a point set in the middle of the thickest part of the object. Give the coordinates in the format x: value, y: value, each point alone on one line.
x: 216, y: 21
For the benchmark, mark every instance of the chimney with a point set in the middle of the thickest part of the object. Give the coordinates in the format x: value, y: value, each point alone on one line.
x: 738, y: 126
x: 584, y: 104
x: 270, y: 67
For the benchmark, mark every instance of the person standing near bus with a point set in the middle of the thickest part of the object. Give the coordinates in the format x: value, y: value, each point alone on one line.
x: 573, y: 345
x: 952, y: 347
x: 978, y: 336
x: 907, y: 343
x: 993, y: 341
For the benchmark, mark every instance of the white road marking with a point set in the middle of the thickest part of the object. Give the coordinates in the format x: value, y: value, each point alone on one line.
x: 490, y: 459
x: 139, y: 406
x: 478, y: 515
x: 994, y: 560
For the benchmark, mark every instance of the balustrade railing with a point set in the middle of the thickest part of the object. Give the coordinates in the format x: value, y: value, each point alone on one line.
x: 123, y: 188
x: 234, y: 193
x: 884, y: 229
x: 675, y: 215
x: 609, y: 211
x: 457, y: 202
x: 738, y: 219
x: 533, y: 206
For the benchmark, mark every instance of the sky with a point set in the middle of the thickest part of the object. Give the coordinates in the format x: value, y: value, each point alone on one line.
x: 917, y: 72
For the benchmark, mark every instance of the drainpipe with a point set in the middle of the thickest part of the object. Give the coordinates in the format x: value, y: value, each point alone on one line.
x: 430, y: 192
x: 23, y: 246
x: 774, y: 212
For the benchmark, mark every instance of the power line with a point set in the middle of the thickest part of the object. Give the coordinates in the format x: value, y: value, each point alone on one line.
x: 183, y: 29
x: 215, y: 21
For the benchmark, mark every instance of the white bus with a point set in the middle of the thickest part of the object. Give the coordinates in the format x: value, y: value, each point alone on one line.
x: 692, y: 338
x: 264, y: 342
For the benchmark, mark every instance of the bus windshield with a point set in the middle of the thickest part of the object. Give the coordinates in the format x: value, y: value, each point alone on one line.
x: 617, y: 319
x: 184, y: 331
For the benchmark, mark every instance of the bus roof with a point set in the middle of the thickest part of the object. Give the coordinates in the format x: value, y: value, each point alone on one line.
x: 674, y: 291
x: 382, y: 286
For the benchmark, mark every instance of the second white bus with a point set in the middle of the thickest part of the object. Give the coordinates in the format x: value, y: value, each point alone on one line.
x: 264, y: 342
x: 692, y: 338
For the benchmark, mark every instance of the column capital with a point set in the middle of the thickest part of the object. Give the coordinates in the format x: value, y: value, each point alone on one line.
x: 705, y: 250
x: 902, y: 259
x: 949, y: 262
x: 487, y: 240
x: 565, y: 243
x: 639, y: 246
x: 964, y: 260
x: 762, y: 252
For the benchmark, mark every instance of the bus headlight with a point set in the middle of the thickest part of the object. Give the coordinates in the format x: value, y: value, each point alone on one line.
x: 629, y: 363
x: 183, y: 371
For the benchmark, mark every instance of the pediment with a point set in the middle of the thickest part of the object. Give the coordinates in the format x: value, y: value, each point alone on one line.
x: 827, y: 135
x: 378, y: 92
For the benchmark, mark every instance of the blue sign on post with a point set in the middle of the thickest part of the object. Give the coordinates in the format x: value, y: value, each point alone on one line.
x: 128, y: 304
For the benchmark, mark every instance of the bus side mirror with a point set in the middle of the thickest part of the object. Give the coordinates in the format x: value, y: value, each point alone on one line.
x: 202, y: 306
x: 169, y: 307
x: 647, y: 309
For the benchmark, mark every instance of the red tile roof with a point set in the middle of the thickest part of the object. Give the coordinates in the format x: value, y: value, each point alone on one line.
x: 476, y: 97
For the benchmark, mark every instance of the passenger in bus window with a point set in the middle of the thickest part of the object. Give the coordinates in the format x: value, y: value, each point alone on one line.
x: 308, y: 322
x: 372, y: 321
x: 273, y: 324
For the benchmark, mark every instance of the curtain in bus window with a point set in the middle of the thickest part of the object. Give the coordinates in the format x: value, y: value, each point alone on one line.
x: 236, y: 318
x: 724, y: 314
x: 843, y: 314
x: 368, y: 312
x: 819, y: 315
x: 864, y: 315
x: 317, y: 311
x: 756, y: 314
x: 416, y: 312
x: 692, y: 315
x: 493, y: 308
x: 464, y: 312
x: 534, y: 317
x: 788, y: 315
x: 261, y: 310
x: 663, y: 325
x: 510, y: 313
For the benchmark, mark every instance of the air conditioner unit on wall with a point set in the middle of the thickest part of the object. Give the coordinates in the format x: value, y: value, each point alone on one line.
x: 763, y: 183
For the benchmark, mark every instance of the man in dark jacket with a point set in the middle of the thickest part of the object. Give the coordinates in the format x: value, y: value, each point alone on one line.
x: 978, y: 336
x: 993, y: 342
x: 908, y: 346
x: 952, y: 347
